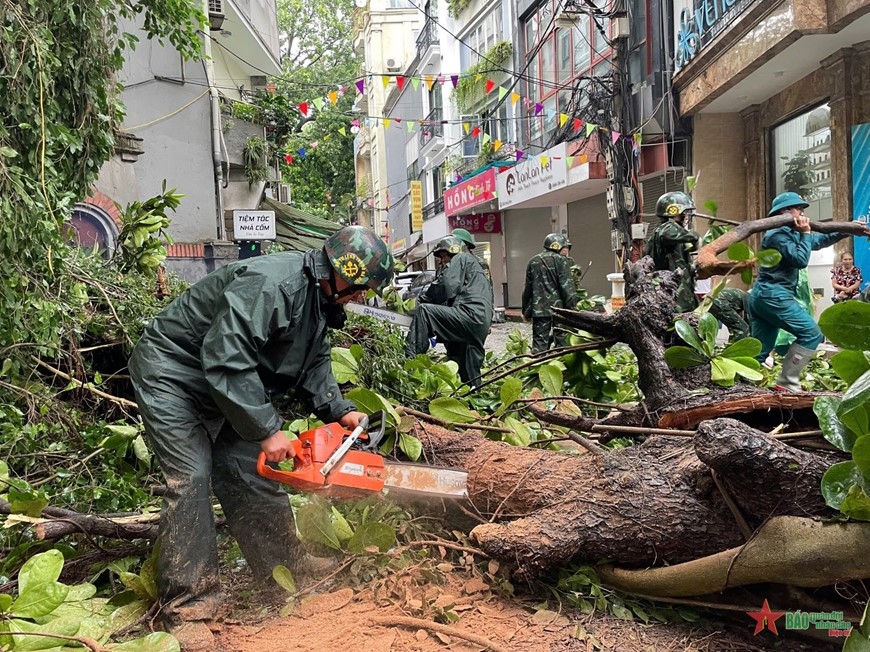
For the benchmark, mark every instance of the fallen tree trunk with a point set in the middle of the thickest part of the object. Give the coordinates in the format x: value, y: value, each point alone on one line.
x: 56, y: 522
x: 645, y: 505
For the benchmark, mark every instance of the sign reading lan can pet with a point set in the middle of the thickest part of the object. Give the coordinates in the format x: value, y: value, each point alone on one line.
x: 482, y: 223
x: 254, y: 225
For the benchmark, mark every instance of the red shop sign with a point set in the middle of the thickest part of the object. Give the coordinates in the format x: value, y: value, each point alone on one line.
x: 481, y: 223
x: 471, y: 192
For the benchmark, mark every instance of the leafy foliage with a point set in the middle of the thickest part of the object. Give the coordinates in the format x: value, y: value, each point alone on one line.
x: 737, y: 359
x: 142, y: 225
x: 469, y: 89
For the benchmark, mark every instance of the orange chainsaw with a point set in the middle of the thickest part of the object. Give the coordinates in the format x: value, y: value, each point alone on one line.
x: 331, y: 459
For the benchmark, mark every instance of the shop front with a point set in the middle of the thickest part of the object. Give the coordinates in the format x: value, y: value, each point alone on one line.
x: 774, y: 91
x: 535, y: 196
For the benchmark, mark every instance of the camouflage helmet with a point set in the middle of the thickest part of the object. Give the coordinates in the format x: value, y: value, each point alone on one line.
x: 360, y: 257
x: 672, y: 204
x: 449, y: 244
x: 464, y: 236
x: 555, y: 242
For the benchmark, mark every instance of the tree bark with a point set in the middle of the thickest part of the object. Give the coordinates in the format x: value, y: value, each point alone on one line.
x: 56, y: 522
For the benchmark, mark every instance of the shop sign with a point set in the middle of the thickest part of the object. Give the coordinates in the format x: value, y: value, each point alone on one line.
x: 416, y: 205
x: 481, y: 223
x: 861, y: 191
x: 254, y: 225
x: 698, y: 22
x: 398, y: 245
x: 471, y: 192
x: 535, y: 176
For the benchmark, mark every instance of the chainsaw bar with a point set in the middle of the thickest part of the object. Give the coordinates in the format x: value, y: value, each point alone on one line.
x: 422, y: 480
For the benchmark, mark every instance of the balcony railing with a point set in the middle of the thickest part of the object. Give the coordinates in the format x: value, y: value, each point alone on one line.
x: 432, y: 209
x: 432, y: 126
x: 427, y: 38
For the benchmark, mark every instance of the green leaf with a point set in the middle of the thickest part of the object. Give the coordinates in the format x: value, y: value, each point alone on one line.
x: 140, y: 450
x: 124, y: 431
x: 372, y: 534
x: 39, y: 599
x: 127, y: 614
x: 688, y: 335
x: 357, y: 352
x: 371, y: 402
x: 856, y: 504
x: 59, y: 626
x: 510, y: 391
x: 859, y: 638
x: 847, y: 325
x: 315, y: 525
x: 5, y: 602
x: 521, y: 434
x: 850, y: 365
x: 156, y: 642
x: 861, y: 455
x: 551, y: 379
x: 345, y: 367
x: 24, y: 500
x: 410, y: 446
x: 768, y: 258
x: 746, y: 275
x: 853, y: 408
x: 739, y: 252
x: 81, y: 592
x: 708, y: 327
x: 748, y: 347
x: 284, y: 578
x: 682, y: 357
x: 837, y: 482
x: 43, y: 568
x: 834, y: 430
x: 343, y: 530
x: 721, y: 372
x: 451, y: 410
x: 136, y: 584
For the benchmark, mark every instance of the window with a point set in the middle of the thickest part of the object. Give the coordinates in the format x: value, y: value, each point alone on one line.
x: 801, y: 160
x: 563, y: 56
x: 93, y: 230
x: 481, y: 38
x: 470, y: 146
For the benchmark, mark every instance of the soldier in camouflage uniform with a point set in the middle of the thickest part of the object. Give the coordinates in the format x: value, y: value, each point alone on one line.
x: 671, y: 243
x: 549, y: 284
x: 456, y: 309
x: 204, y: 373
x: 470, y: 243
x: 731, y: 307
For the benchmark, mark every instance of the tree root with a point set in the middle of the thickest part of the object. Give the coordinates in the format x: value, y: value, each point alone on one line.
x: 785, y: 550
x: 447, y: 630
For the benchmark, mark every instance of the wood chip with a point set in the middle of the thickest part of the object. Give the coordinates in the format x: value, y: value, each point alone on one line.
x: 444, y: 639
x: 476, y: 586
x: 421, y: 635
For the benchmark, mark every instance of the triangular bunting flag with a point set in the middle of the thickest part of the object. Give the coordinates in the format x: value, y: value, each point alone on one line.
x: 467, y: 127
x: 544, y: 161
x: 342, y: 131
x: 398, y: 121
x: 400, y: 82
x: 638, y: 138
x: 303, y: 108
x: 614, y: 136
x: 478, y: 77
x: 485, y: 139
x: 577, y: 124
x: 361, y: 86
x: 385, y: 80
x: 502, y: 91
x: 515, y: 98
x: 387, y: 123
x: 475, y: 132
x: 454, y: 79
x: 410, y: 126
x: 551, y: 113
x: 496, y: 145
x: 288, y: 159
x: 519, y: 154
x: 570, y: 161
x: 590, y: 128
x: 563, y: 118
x: 490, y: 85
x: 333, y: 97
x: 538, y: 108
x: 301, y: 152
x: 441, y: 79
x: 430, y: 80
x: 415, y: 82
x: 318, y: 102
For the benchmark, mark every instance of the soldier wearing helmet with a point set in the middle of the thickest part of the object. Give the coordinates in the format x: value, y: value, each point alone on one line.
x: 549, y: 284
x: 773, y: 302
x: 204, y: 373
x: 671, y: 243
x: 456, y: 309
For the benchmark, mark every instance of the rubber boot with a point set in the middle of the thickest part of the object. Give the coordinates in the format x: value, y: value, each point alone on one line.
x: 793, y: 363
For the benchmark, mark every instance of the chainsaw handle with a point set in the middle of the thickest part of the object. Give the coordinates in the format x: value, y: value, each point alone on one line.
x: 278, y: 475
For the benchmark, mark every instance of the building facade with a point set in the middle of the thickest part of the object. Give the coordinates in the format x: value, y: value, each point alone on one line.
x: 179, y: 127
x: 775, y: 90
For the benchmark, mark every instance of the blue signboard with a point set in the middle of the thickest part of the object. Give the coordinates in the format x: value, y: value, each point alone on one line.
x: 861, y: 193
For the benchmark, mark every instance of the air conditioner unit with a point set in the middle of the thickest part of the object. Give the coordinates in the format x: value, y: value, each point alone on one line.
x: 393, y: 65
x: 215, y: 14
x: 258, y: 83
x: 284, y: 193
x: 568, y: 17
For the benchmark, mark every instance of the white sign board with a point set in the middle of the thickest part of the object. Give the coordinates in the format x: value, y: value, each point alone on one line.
x: 379, y: 313
x: 534, y: 176
x: 254, y: 225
